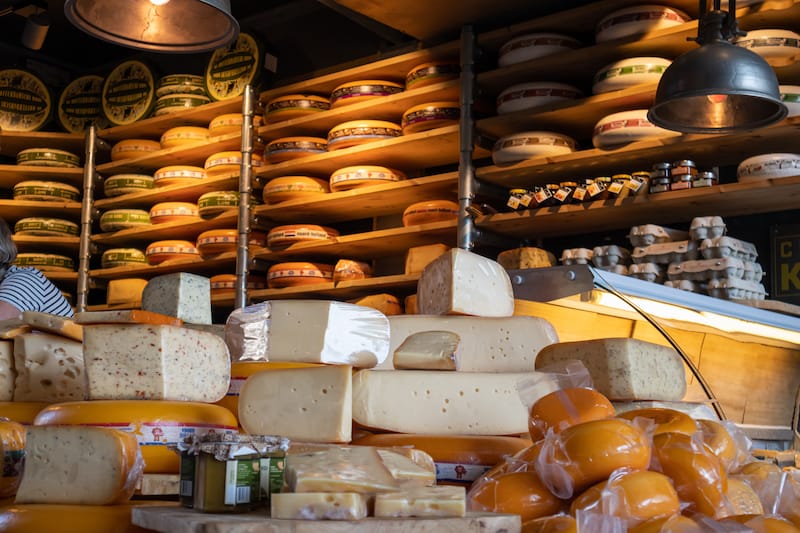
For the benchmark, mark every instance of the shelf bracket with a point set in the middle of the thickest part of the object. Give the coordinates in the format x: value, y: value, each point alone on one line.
x: 85, y: 247
x: 245, y: 183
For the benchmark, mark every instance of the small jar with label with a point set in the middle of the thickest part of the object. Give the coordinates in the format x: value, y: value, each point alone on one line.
x: 684, y: 166
x: 639, y: 182
x: 542, y: 196
x: 553, y: 188
x: 658, y: 185
x: 518, y: 199
x: 660, y: 170
x: 581, y: 194
x: 619, y: 186
x: 601, y: 183
x: 566, y: 189
x: 706, y: 178
x: 681, y: 181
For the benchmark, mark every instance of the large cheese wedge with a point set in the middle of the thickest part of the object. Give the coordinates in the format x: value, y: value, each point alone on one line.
x: 49, y: 368
x: 305, y: 404
x: 25, y: 518
x: 7, y: 372
x: 126, y: 291
x: 155, y: 424
x: 422, y: 501
x: 418, y: 257
x: 624, y: 369
x: 461, y: 282
x: 175, y: 363
x: 309, y: 331
x: 126, y: 316
x: 318, y: 505
x: 55, y: 324
x: 182, y: 295
x: 435, y: 402
x: 338, y: 469
x: 12, y: 448
x: 79, y: 465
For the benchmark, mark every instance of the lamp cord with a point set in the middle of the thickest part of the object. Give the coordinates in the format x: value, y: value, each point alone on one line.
x: 605, y: 285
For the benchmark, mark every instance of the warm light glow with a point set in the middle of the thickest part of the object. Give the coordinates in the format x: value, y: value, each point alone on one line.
x: 158, y: 2
x: 713, y: 98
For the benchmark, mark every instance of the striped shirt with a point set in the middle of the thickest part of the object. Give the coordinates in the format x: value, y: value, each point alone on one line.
x: 28, y: 289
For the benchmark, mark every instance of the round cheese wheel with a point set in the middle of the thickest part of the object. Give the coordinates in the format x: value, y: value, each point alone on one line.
x: 527, y: 145
x: 410, y: 305
x: 293, y: 233
x: 778, y: 47
x: 180, y: 84
x: 22, y: 412
x: 173, y: 103
x: 178, y: 175
x: 25, y: 101
x: 430, y: 211
x: 563, y: 408
x: 24, y: 518
x: 129, y: 93
x: 665, y: 419
x: 133, y: 148
x: 768, y: 166
x: 122, y: 257
x: 171, y: 250
x: 288, y: 148
x: 521, y: 493
x: 291, y: 106
x: 232, y: 68
x: 629, y: 72
x: 217, y: 241
x: 54, y: 227
x: 119, y: 219
x: 790, y: 96
x: 763, y: 524
x: 432, y: 72
x: 184, y: 136
x: 173, y: 211
x: 215, y: 202
x: 288, y: 188
x: 742, y: 498
x: 358, y: 176
x: 48, y: 157
x: 80, y: 105
x: 297, y: 273
x: 349, y: 269
x: 530, y: 95
x: 156, y: 424
x: 424, y: 117
x: 362, y: 90
x: 625, y: 127
x: 46, y: 191
x: 229, y: 163
x: 45, y: 262
x: 356, y: 132
x: 120, y: 184
x: 717, y: 437
x: 229, y: 123
x: 670, y: 524
x: 534, y: 45
x: 636, y: 20
x: 225, y: 284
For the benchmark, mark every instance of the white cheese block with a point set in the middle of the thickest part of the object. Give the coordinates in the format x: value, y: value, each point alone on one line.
x: 7, y: 373
x: 427, y: 350
x: 442, y: 501
x: 624, y: 369
x: 79, y: 465
x: 338, y: 469
x: 306, y: 404
x: 461, y: 282
x: 406, y: 471
x: 49, y: 368
x: 318, y: 506
x: 308, y: 331
x: 55, y: 324
x: 487, y: 344
x: 439, y: 402
x: 148, y: 362
x: 182, y: 295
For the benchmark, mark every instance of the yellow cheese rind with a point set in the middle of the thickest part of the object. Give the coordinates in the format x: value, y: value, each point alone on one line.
x: 318, y: 506
x: 338, y: 469
x: 442, y: 501
x: 125, y: 291
x: 418, y: 257
x: 22, y: 412
x: 55, y: 324
x: 27, y: 518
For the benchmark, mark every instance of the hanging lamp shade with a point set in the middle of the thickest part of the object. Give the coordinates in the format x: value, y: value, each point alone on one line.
x: 182, y: 26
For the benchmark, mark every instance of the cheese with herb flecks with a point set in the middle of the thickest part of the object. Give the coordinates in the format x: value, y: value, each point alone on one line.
x: 49, y: 368
x: 182, y: 295
x: 148, y: 362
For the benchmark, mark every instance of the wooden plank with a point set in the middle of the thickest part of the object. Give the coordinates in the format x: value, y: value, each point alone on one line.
x: 13, y: 142
x: 10, y: 175
x: 171, y: 193
x: 774, y: 305
x: 207, y: 267
x: 14, y: 210
x: 60, y: 245
x: 188, y: 521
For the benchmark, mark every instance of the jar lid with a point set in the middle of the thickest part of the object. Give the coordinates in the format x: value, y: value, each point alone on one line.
x: 569, y: 184
x: 640, y: 174
x: 682, y: 177
x: 518, y: 191
x: 660, y: 181
x: 621, y: 177
x: 684, y: 163
x: 706, y: 174
x: 661, y: 166
x: 603, y: 179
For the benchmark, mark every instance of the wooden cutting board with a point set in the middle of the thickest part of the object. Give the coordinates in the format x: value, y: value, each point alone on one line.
x: 181, y: 520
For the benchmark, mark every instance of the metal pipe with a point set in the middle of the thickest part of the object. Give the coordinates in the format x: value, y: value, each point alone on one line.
x: 87, y: 204
x: 466, y: 169
x: 245, y: 179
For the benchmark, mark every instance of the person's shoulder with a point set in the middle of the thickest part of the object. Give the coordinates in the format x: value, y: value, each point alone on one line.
x: 21, y: 272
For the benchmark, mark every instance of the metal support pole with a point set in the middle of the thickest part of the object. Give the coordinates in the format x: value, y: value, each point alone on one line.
x: 466, y: 170
x: 87, y: 205
x: 245, y: 180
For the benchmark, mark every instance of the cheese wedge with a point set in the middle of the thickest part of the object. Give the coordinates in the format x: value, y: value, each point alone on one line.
x: 127, y: 316
x: 427, y: 350
x: 49, y: 368
x: 407, y: 471
x: 338, y: 469
x: 319, y: 505
x: 182, y: 295
x: 55, y: 324
x: 442, y: 501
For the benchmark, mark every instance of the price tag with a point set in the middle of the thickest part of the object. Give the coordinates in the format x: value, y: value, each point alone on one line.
x: 634, y: 184
x: 579, y: 194
x: 615, y: 187
x: 513, y: 202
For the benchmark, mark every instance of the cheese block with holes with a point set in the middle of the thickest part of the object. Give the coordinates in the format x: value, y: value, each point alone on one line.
x: 121, y: 257
x: 134, y: 148
x: 174, y: 212
x: 297, y: 273
x: 232, y: 68
x: 358, y: 132
x: 432, y: 72
x: 120, y: 184
x: 428, y: 116
x: 47, y: 157
x: 50, y: 191
x: 430, y: 211
x: 216, y: 202
x: 637, y: 20
x: 119, y: 219
x: 80, y: 104
x: 288, y: 148
x: 229, y: 123
x: 290, y: 106
x: 318, y: 505
x: 129, y: 92
x: 25, y: 104
x: 618, y: 129
x: 175, y: 103
x: 180, y: 84
x: 155, y: 424
x: 52, y: 227
x: 287, y: 188
x: 534, y: 45
x: 171, y: 250
x: 229, y: 162
x: 289, y: 234
x: 49, y: 368
x: 358, y: 176
x: 45, y: 262
x: 125, y: 291
x: 362, y: 90
x: 178, y: 175
x: 184, y: 136
x: 527, y: 145
x: 442, y: 501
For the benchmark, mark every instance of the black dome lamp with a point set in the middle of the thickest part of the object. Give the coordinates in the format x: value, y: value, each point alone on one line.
x: 180, y: 26
x: 718, y: 87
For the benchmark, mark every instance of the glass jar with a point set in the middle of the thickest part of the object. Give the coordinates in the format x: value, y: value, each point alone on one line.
x: 581, y: 193
x: 553, y: 189
x: 660, y: 170
x: 566, y: 189
x: 619, y: 185
x: 681, y: 181
x: 684, y: 166
x: 706, y: 178
x: 542, y: 196
x: 639, y: 182
x: 658, y: 185
x: 518, y: 199
x: 598, y: 190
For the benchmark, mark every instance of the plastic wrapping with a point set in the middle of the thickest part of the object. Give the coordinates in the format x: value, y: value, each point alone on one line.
x: 670, y: 524
x: 599, y: 523
x: 566, y: 407
x: 519, y: 492
x: 12, y: 436
x: 778, y: 490
x: 550, y: 378
x: 726, y: 440
x: 665, y: 420
x: 695, y: 410
x: 560, y: 523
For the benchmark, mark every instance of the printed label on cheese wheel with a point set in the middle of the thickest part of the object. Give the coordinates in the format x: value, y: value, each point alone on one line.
x: 45, y: 262
x: 25, y: 102
x: 128, y: 93
x: 47, y: 157
x: 232, y: 68
x: 459, y: 473
x: 45, y: 226
x: 80, y: 104
x: 45, y: 190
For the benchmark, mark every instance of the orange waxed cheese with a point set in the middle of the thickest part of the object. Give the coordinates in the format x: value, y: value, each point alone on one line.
x: 665, y: 419
x: 521, y: 493
x: 567, y: 407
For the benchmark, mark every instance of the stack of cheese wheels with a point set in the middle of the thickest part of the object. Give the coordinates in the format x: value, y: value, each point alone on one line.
x: 357, y: 132
x: 171, y: 250
x: 533, y: 94
x: 134, y: 148
x: 229, y: 163
x: 40, y: 226
x: 288, y: 148
x: 298, y: 273
x: 184, y: 136
x: 174, y: 212
x: 216, y: 202
x: 119, y: 219
x: 290, y: 106
x: 48, y: 157
x: 629, y: 72
x: 431, y: 73
x: 618, y: 129
x: 122, y: 257
x: 430, y: 211
x: 282, y: 236
x: 173, y: 103
x: 178, y: 175
x: 534, y: 45
x: 354, y: 177
x: 45, y: 262
x: 217, y: 241
x: 120, y: 184
x: 229, y: 123
x: 638, y: 20
x: 52, y: 191
x: 428, y: 116
x: 286, y: 188
x: 362, y: 90
x: 778, y: 47
x: 529, y: 144
x: 225, y: 284
x: 180, y: 84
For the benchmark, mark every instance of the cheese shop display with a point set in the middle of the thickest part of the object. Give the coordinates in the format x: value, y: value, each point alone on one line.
x: 51, y: 191
x: 45, y: 262
x: 184, y: 136
x: 125, y: 291
x: 232, y: 68
x: 522, y: 96
x: 430, y: 211
x: 178, y: 175
x: 629, y: 72
x: 290, y: 234
x: 120, y: 184
x: 180, y: 84
x: 534, y: 45
x: 286, y: 188
x: 618, y: 129
x: 225, y: 284
x: 175, y: 103
x: 215, y: 202
x: 527, y: 145
x: 433, y: 72
x: 182, y: 295
x: 229, y: 123
x: 768, y: 166
x: 134, y: 148
x: 122, y: 257
x: 424, y: 117
x: 229, y: 162
x: 49, y: 368
x: 291, y: 106
x: 777, y: 46
x: 288, y: 148
x: 129, y: 93
x: 354, y: 177
x: 297, y: 273
x: 174, y: 212
x: 362, y: 90
x: 48, y: 227
x: 26, y: 104
x: 80, y: 104
x: 358, y: 132
x: 171, y: 250
x: 100, y: 466
x: 120, y: 219
x: 157, y: 425
x: 47, y: 157
x: 638, y: 20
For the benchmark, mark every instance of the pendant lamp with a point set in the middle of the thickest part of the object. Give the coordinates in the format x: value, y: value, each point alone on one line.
x: 718, y: 87
x: 178, y: 26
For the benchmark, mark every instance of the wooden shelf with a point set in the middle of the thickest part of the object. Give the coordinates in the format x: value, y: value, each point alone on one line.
x: 13, y: 142
x: 221, y: 263
x: 662, y: 208
x: 172, y: 193
x: 170, y: 230
x: 13, y: 210
x: 60, y: 245
x: 366, y: 202
x: 60, y: 277
x: 10, y: 175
